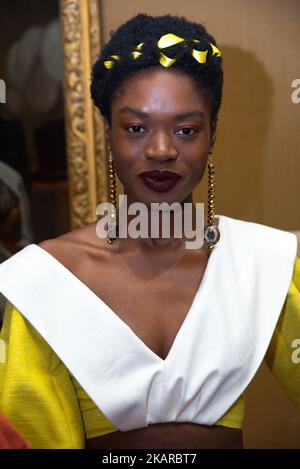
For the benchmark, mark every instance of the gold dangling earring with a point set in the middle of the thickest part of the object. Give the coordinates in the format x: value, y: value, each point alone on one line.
x: 112, y: 224
x: 211, y: 231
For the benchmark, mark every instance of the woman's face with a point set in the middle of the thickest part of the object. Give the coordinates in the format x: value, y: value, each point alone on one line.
x: 159, y: 123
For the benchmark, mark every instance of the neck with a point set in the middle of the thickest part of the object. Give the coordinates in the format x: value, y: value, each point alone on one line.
x: 161, y: 226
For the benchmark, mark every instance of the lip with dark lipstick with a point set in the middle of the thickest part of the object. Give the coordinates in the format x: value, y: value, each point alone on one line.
x: 160, y: 180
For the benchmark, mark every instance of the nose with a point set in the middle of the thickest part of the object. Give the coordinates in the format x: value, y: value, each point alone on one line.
x: 161, y: 147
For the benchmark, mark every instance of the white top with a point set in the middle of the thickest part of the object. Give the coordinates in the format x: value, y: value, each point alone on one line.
x: 216, y: 352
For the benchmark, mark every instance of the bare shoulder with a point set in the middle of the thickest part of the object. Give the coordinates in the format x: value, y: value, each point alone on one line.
x: 70, y: 248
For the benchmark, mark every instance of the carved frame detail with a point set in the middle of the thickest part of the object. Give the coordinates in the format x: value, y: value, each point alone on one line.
x: 85, y: 140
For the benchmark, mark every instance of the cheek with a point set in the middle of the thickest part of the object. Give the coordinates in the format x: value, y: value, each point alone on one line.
x: 120, y: 169
x: 196, y: 168
x: 122, y: 147
x: 201, y: 170
x: 124, y: 164
x: 126, y: 157
x: 196, y: 158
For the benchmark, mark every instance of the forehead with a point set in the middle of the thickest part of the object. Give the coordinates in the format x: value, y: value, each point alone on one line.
x: 160, y: 92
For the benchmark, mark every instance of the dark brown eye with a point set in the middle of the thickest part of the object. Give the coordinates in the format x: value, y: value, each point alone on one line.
x: 135, y: 129
x: 186, y: 131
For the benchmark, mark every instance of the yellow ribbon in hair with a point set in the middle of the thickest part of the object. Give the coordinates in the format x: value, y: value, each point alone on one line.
x: 135, y: 54
x: 109, y: 63
x: 171, y: 39
x: 165, y: 41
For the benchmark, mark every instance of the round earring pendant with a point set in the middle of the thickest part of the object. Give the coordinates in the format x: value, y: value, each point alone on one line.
x: 211, y: 234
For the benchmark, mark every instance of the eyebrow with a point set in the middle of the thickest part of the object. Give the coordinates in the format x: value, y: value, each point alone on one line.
x: 177, y: 117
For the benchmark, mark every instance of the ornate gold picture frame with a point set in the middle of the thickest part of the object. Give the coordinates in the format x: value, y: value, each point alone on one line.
x: 85, y: 139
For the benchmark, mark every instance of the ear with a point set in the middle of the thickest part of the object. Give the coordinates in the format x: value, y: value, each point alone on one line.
x: 107, y: 131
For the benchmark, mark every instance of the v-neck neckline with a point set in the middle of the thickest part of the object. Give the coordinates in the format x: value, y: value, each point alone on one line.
x: 133, y: 336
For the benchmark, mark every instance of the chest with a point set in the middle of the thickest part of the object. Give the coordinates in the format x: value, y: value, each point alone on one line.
x: 215, y: 355
x: 153, y: 302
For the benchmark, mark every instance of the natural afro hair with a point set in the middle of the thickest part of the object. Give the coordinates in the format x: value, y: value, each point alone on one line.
x: 148, y: 29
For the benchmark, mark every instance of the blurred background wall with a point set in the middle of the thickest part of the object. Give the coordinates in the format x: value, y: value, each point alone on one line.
x: 257, y: 151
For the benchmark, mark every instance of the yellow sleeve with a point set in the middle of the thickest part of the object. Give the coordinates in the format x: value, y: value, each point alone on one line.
x: 95, y: 422
x: 283, y: 355
x: 36, y: 390
x: 234, y: 417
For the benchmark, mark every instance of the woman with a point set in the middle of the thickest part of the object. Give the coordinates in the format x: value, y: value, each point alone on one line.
x: 142, y: 343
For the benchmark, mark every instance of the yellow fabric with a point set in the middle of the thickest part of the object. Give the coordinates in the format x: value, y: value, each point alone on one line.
x: 36, y: 391
x: 51, y: 410
x: 279, y: 356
